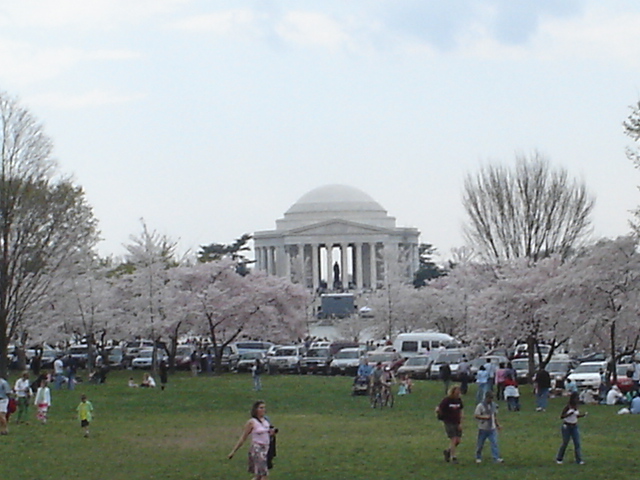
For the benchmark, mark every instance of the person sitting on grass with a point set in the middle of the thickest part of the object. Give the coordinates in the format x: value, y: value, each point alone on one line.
x: 635, y: 403
x: 615, y: 396
x: 132, y: 383
x: 148, y: 381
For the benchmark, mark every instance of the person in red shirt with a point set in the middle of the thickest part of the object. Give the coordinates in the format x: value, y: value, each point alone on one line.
x: 450, y: 412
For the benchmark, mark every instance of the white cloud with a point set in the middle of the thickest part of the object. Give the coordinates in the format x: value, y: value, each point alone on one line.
x: 601, y: 34
x: 224, y: 23
x: 83, y: 13
x: 95, y: 98
x: 313, y: 28
x: 23, y: 63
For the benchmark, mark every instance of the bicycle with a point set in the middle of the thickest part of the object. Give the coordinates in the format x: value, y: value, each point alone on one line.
x: 381, y: 396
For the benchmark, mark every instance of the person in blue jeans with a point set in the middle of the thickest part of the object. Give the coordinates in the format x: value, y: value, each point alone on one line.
x: 542, y: 382
x: 486, y: 414
x: 482, y: 379
x: 570, y: 415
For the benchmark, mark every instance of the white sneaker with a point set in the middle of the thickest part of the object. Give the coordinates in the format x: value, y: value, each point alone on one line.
x: 499, y: 460
x: 478, y: 460
x: 559, y: 462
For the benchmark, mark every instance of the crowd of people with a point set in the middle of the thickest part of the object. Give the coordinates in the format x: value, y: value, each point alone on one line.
x: 17, y: 400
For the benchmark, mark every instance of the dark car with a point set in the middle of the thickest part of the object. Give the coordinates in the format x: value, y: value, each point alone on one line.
x: 316, y: 360
x: 183, y: 357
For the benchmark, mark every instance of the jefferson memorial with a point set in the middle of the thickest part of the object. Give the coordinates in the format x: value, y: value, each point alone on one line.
x: 337, y: 238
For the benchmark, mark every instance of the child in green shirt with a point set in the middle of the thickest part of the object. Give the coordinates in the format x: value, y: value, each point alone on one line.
x: 85, y: 414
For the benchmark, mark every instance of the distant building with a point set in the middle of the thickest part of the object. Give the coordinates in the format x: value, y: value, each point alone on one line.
x: 337, y: 238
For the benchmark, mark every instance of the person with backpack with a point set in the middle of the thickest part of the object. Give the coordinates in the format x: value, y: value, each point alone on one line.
x: 449, y: 411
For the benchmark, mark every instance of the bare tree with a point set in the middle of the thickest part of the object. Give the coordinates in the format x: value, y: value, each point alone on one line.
x: 44, y: 221
x: 632, y: 130
x: 531, y: 211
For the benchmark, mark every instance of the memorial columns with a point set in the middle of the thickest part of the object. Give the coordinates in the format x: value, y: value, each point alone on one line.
x: 344, y: 268
x: 301, y: 265
x: 315, y: 270
x: 359, y: 271
x: 329, y: 248
x: 373, y: 267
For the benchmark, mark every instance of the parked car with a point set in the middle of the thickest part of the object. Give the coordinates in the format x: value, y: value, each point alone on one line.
x: 144, y: 359
x: 522, y: 350
x: 134, y: 347
x: 182, y: 360
x: 558, y: 370
x: 285, y: 359
x: 115, y: 357
x: 247, y: 360
x: 49, y: 355
x: 452, y: 357
x: 388, y: 359
x: 593, y: 357
x: 588, y: 374
x: 476, y: 363
x: 253, y: 346
x: 229, y: 357
x: 415, y: 343
x: 521, y: 366
x: 624, y: 372
x: 316, y: 360
x: 416, y: 367
x: 79, y: 353
x: 346, y: 361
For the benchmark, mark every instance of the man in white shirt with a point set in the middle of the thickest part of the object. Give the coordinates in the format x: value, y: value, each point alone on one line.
x: 23, y: 392
x: 58, y: 372
x: 614, y: 396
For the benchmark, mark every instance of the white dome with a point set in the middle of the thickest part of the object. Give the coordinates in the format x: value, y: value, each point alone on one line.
x: 332, y: 202
x: 335, y: 198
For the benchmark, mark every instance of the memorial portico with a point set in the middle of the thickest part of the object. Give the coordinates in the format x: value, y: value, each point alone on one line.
x: 336, y: 238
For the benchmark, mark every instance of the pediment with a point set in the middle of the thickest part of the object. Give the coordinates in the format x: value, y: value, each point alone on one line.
x: 336, y: 227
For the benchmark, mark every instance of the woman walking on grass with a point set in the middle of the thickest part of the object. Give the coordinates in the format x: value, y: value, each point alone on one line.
x: 261, y: 432
x: 570, y: 415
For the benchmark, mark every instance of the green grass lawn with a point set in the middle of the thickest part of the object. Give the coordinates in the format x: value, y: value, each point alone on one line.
x: 186, y: 432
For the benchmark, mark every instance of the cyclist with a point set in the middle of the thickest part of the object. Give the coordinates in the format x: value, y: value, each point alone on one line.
x: 377, y: 380
x: 381, y: 380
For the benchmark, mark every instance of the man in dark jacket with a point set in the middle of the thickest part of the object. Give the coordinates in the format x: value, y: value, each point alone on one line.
x: 542, y: 384
x: 445, y: 376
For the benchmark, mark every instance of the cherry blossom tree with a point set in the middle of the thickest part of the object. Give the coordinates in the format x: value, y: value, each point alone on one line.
x: 227, y: 305
x: 149, y: 258
x: 80, y: 306
x: 599, y: 294
x: 519, y: 306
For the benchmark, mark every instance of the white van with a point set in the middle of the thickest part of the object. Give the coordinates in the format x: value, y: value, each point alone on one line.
x: 416, y: 343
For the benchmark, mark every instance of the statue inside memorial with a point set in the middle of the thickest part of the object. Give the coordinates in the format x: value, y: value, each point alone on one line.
x: 336, y: 275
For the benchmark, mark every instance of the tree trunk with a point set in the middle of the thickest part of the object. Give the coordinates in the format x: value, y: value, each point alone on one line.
x: 531, y: 345
x: 611, y: 365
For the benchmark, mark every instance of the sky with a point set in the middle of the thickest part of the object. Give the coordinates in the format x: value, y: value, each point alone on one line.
x: 209, y: 119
